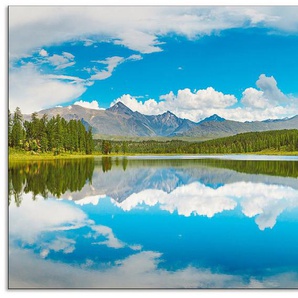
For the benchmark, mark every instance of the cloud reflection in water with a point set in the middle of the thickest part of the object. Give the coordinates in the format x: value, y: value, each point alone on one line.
x: 256, y: 199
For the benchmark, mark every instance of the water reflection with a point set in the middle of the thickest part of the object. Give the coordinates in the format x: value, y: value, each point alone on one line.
x: 188, y: 187
x: 153, y: 223
x: 52, y: 178
x: 72, y: 251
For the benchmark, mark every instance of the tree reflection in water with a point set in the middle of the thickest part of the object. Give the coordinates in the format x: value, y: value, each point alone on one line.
x: 48, y: 177
x: 58, y: 176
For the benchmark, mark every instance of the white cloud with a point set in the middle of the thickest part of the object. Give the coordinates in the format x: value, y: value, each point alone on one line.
x: 65, y: 65
x: 138, y: 28
x: 267, y: 97
x: 134, y: 57
x: 255, y: 99
x: 61, y: 61
x: 186, y: 104
x: 33, y: 91
x: 268, y: 102
x: 269, y: 86
x: 65, y: 78
x: 89, y: 105
x: 201, y: 99
x: 111, y: 63
x: 43, y: 53
x: 88, y: 42
x: 139, y: 41
x: 57, y: 60
x: 68, y: 55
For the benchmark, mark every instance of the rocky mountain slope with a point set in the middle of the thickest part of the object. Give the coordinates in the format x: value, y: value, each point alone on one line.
x: 119, y: 120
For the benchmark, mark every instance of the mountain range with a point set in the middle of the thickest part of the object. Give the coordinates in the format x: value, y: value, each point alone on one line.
x: 119, y: 120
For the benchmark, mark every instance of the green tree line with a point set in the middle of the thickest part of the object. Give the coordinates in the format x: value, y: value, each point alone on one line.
x: 48, y: 135
x: 59, y: 135
x: 48, y: 178
x: 278, y: 140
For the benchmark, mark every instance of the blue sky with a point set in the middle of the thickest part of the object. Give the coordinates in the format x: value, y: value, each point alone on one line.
x: 238, y: 62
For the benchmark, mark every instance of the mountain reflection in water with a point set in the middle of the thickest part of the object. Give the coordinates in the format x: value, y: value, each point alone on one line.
x: 101, y: 199
x: 202, y: 187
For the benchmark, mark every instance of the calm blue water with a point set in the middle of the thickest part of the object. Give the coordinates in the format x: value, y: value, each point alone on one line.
x: 147, y: 223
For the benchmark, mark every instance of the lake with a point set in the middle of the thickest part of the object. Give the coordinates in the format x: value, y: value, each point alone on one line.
x: 154, y: 222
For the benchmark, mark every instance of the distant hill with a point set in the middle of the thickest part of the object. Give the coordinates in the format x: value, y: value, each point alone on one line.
x: 213, y: 118
x: 214, y: 129
x: 119, y: 120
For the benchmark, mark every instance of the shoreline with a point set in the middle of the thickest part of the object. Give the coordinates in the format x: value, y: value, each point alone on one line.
x: 26, y: 156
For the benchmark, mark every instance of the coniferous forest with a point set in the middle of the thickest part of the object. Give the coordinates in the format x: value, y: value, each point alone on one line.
x: 274, y: 141
x: 58, y: 135
x: 48, y: 135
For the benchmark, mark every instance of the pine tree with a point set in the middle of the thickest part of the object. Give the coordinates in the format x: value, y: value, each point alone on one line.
x: 17, y: 130
x: 9, y: 128
x: 89, y: 141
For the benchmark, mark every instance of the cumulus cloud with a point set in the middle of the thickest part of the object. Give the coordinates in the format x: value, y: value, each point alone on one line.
x: 267, y: 97
x: 267, y: 102
x: 43, y: 53
x: 255, y: 99
x: 256, y: 104
x: 269, y: 86
x: 186, y: 104
x: 89, y: 105
x: 33, y: 91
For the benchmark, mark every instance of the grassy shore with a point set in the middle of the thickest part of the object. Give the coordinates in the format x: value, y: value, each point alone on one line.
x: 276, y: 152
x: 18, y: 155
